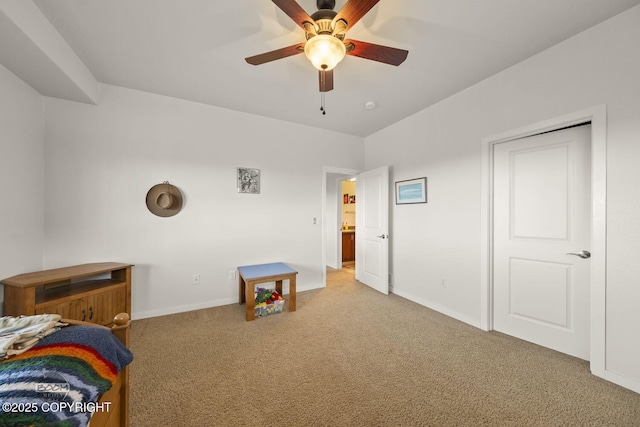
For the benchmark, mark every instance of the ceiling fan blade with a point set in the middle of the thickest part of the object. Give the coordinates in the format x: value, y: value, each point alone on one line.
x: 353, y: 10
x: 294, y: 11
x: 376, y: 52
x: 326, y: 80
x: 275, y: 54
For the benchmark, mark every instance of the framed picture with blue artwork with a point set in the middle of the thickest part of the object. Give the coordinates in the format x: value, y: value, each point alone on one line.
x: 411, y: 191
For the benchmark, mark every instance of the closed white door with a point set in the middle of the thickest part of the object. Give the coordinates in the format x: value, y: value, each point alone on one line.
x: 541, y: 215
x: 372, y: 229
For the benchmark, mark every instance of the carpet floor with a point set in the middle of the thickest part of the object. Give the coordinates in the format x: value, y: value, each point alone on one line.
x: 350, y: 356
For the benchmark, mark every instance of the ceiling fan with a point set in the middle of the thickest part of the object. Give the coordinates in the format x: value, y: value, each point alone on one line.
x: 326, y: 45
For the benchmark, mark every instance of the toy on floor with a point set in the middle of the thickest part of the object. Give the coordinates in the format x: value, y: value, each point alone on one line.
x: 268, y: 301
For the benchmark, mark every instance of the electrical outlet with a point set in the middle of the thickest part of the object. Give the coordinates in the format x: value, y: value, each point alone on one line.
x: 443, y: 283
x: 232, y: 274
x: 196, y: 279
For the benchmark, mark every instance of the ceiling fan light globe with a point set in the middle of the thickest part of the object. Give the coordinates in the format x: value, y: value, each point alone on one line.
x: 325, y: 51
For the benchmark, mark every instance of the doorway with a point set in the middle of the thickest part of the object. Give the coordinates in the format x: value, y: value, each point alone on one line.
x: 372, y: 244
x: 332, y: 216
x: 348, y: 206
x: 597, y: 272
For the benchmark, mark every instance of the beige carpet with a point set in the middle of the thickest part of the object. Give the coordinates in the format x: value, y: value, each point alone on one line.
x: 349, y: 265
x: 350, y: 356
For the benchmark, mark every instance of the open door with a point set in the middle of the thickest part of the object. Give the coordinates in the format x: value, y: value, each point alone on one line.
x: 372, y: 225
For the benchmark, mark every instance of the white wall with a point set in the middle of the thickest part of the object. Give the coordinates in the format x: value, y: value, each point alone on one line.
x: 441, y: 239
x: 101, y: 161
x: 21, y: 177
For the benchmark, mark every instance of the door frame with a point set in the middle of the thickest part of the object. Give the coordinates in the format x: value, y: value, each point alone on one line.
x: 326, y: 170
x: 597, y: 116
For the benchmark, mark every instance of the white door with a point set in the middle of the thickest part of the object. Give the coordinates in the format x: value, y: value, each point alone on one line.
x: 541, y: 214
x: 372, y: 229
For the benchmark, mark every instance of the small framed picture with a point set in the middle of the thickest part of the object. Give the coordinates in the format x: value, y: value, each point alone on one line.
x: 352, y: 198
x: 411, y: 191
x: 345, y: 199
x: 249, y: 180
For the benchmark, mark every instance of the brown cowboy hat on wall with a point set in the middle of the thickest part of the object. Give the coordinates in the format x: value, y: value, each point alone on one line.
x: 164, y: 199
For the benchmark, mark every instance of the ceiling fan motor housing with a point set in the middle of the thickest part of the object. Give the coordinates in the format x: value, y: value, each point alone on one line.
x: 324, y: 15
x: 324, y: 25
x: 323, y: 18
x: 326, y: 4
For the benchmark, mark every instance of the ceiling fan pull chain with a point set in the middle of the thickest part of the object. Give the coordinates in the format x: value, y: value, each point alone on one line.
x: 324, y: 110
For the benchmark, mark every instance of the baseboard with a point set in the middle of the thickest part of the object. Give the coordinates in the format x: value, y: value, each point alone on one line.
x: 622, y: 381
x: 206, y: 304
x: 182, y: 308
x: 443, y: 310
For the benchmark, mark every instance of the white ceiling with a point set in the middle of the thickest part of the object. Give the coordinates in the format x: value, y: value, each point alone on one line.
x: 195, y: 50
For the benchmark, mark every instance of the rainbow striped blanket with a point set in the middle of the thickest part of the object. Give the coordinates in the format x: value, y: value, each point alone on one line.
x: 59, y: 381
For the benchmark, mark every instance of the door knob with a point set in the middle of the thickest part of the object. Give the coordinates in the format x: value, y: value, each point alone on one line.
x: 581, y: 254
x: 383, y: 236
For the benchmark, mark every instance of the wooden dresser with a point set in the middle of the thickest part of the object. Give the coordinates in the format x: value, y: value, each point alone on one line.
x: 89, y: 292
